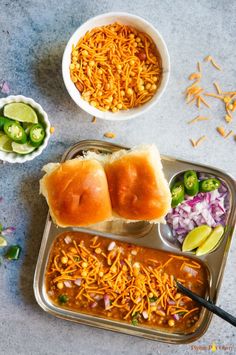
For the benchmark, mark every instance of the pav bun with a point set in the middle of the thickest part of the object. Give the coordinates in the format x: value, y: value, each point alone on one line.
x: 137, y: 186
x: 76, y: 192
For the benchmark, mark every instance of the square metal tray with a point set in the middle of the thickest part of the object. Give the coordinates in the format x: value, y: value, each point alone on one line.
x: 144, y: 234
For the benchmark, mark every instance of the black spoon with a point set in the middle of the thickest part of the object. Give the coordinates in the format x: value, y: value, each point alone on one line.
x: 207, y: 304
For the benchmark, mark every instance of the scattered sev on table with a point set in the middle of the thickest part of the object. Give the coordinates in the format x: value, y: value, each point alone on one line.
x: 198, y: 141
x: 96, y: 275
x: 116, y: 67
x: 198, y: 118
x: 194, y: 93
x: 109, y: 135
x: 212, y: 61
x: 222, y: 132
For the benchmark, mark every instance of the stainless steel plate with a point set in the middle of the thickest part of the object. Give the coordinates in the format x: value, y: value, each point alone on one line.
x: 141, y: 233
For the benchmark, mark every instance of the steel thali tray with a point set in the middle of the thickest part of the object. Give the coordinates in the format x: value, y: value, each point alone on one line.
x: 144, y: 234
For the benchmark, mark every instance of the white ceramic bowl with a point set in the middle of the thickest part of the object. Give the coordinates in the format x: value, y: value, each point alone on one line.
x: 43, y: 117
x: 105, y: 19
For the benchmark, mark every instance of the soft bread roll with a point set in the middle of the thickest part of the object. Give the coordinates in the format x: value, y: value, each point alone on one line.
x: 137, y: 186
x: 76, y: 192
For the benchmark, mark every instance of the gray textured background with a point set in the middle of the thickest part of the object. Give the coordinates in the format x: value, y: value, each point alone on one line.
x: 33, y: 36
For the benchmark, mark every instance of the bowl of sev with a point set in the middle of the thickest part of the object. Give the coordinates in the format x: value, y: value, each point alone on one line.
x: 116, y: 66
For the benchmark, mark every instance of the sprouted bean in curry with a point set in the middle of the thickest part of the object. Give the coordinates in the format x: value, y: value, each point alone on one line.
x: 124, y: 282
x: 116, y: 67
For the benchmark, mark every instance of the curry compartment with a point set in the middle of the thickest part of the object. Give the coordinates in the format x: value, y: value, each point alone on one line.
x: 124, y: 282
x: 140, y: 234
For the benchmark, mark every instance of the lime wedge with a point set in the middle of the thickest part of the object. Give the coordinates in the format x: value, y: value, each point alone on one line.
x: 196, y: 237
x: 211, y: 241
x: 3, y: 242
x: 5, y: 143
x: 25, y: 148
x: 20, y: 112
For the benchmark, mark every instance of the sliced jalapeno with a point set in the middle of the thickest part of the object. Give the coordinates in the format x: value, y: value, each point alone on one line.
x: 13, y: 252
x: 177, y: 193
x: 191, y: 183
x: 14, y: 131
x: 37, y: 134
x: 209, y: 185
x: 3, y: 120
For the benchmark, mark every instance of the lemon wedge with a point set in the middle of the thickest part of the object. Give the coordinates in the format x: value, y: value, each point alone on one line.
x: 210, y: 243
x: 196, y: 237
x: 3, y: 242
x: 20, y: 112
x: 5, y: 143
x: 25, y: 148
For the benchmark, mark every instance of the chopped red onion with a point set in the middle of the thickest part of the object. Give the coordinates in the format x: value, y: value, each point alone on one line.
x: 176, y: 316
x: 205, y: 208
x: 78, y: 282
x: 5, y: 88
x: 94, y: 304
x: 106, y: 301
x: 111, y: 246
x: 67, y: 239
x: 190, y: 270
x: 67, y: 284
x: 98, y: 297
x: 8, y: 230
x: 133, y: 252
x: 145, y: 314
x: 171, y: 302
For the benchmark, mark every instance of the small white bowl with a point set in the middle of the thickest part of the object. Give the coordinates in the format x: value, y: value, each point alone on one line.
x: 17, y: 158
x: 106, y: 19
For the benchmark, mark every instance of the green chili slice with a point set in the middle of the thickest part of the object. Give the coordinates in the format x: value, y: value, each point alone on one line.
x: 37, y: 134
x: 177, y: 193
x: 3, y: 120
x: 13, y: 252
x: 153, y: 299
x: 14, y: 131
x: 209, y: 185
x: 191, y: 183
x: 63, y: 299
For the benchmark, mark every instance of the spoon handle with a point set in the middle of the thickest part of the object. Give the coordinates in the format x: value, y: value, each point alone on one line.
x: 207, y: 304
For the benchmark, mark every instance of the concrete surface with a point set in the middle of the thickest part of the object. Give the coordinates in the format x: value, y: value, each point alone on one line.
x: 33, y: 36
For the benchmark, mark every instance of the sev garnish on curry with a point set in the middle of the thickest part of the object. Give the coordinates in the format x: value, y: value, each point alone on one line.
x: 125, y: 282
x: 116, y: 67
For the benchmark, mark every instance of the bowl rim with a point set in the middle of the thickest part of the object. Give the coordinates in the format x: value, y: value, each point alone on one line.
x: 76, y: 97
x: 12, y: 157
